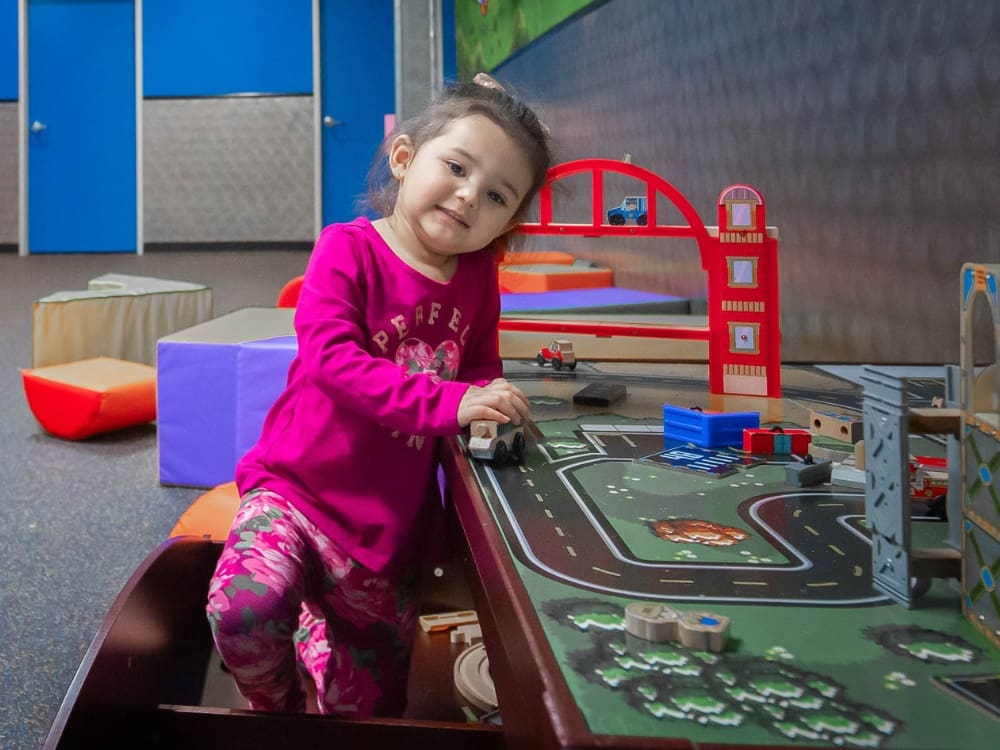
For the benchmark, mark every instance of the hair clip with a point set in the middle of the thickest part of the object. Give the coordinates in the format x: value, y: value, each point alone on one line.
x: 487, y: 81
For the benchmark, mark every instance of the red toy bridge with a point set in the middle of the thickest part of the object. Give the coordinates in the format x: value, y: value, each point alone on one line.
x: 739, y: 257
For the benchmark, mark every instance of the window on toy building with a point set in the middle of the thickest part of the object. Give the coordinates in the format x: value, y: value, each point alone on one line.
x: 744, y: 338
x: 742, y: 272
x: 986, y: 384
x: 741, y: 214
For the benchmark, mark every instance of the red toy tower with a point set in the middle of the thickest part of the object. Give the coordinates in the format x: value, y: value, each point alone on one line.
x: 745, y: 341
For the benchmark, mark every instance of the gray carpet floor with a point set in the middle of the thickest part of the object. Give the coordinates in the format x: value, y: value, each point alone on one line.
x: 77, y: 518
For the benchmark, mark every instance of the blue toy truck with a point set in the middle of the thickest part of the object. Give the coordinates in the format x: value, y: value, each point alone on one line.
x: 632, y: 208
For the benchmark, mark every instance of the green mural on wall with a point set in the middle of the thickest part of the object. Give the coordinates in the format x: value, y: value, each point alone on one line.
x: 487, y: 32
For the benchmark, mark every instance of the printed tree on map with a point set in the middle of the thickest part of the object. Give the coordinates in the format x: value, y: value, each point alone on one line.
x: 669, y: 681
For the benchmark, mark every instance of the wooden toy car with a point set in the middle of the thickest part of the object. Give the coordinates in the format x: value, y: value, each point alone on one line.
x: 559, y: 353
x: 492, y: 441
x: 632, y: 208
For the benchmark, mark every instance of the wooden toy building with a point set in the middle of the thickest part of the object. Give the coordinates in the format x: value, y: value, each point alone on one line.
x: 980, y: 457
x: 972, y: 420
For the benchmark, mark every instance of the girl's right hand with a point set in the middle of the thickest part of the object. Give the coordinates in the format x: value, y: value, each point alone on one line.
x: 500, y: 401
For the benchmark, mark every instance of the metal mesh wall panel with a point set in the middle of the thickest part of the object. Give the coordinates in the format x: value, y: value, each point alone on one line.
x: 236, y: 169
x: 9, y: 201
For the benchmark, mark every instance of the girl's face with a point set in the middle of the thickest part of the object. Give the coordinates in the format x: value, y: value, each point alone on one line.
x: 459, y: 190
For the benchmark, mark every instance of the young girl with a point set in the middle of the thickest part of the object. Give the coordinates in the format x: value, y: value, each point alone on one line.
x: 397, y: 334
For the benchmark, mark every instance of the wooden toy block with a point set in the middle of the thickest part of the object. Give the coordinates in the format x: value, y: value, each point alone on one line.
x: 859, y: 454
x: 470, y: 635
x: 659, y: 623
x: 837, y: 426
x: 934, y: 421
x: 808, y: 474
x: 936, y: 562
x: 847, y: 474
x: 776, y: 441
x: 599, y: 394
x: 447, y: 620
x: 829, y: 453
x: 703, y: 631
x: 651, y: 621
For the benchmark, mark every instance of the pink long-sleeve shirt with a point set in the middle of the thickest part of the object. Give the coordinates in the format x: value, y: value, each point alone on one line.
x: 385, y: 355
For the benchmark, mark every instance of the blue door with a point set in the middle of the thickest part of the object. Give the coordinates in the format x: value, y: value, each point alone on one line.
x: 81, y: 194
x: 357, y: 53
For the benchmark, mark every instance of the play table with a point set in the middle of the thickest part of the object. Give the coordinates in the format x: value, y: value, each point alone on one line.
x: 604, y: 512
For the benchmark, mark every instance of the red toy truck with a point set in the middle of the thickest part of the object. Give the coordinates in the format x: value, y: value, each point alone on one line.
x: 559, y: 353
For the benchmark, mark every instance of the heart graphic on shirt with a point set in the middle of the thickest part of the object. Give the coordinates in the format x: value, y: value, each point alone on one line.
x: 416, y: 355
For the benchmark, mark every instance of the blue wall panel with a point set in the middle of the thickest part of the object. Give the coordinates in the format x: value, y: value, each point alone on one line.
x: 358, y: 90
x: 8, y: 50
x: 81, y: 166
x: 197, y: 48
x: 449, y: 62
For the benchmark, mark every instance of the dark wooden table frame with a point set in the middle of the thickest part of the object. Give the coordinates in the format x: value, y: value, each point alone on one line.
x: 140, y: 682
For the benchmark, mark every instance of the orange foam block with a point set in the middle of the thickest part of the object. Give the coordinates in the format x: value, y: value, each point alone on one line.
x: 79, y: 399
x: 211, y: 514
x: 533, y: 257
x: 289, y: 294
x: 547, y: 277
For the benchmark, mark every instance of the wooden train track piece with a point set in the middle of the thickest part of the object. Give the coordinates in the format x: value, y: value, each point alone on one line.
x: 473, y: 680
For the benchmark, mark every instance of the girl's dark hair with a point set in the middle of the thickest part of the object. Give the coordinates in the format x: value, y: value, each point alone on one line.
x: 459, y: 100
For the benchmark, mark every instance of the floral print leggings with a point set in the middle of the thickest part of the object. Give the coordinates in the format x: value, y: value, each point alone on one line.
x: 286, y: 604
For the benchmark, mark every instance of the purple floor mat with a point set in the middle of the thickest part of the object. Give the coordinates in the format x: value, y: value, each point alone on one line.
x: 605, y: 299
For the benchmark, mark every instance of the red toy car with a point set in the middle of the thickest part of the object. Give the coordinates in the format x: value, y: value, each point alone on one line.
x: 559, y: 353
x: 928, y: 477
